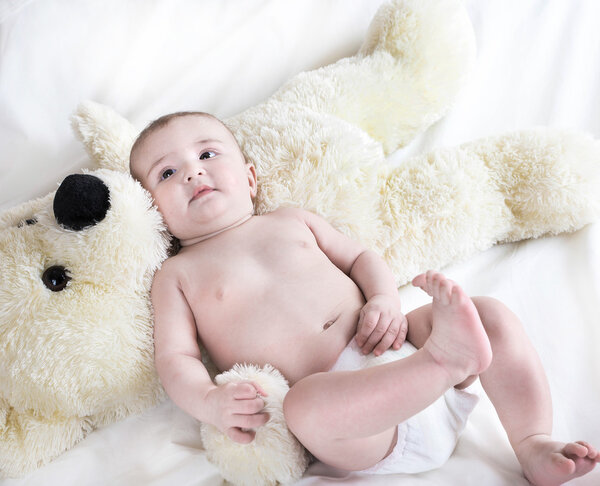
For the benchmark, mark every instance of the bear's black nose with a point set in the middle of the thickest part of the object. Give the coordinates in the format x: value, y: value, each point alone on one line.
x: 80, y: 201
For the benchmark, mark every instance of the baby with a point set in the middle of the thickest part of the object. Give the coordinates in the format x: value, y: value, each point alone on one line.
x: 286, y: 288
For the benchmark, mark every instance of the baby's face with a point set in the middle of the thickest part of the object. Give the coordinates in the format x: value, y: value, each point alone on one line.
x: 196, y: 172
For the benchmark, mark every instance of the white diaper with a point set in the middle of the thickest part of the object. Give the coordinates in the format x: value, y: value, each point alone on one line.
x: 426, y: 440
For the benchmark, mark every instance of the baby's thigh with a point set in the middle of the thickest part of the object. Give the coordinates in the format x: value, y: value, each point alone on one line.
x: 318, y: 413
x: 356, y: 454
x: 419, y: 325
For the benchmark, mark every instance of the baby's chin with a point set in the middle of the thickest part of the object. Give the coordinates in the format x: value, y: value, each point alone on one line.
x: 190, y: 239
x: 184, y: 234
x: 186, y: 240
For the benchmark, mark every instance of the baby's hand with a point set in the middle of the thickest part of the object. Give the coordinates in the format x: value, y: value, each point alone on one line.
x: 381, y: 324
x: 235, y: 408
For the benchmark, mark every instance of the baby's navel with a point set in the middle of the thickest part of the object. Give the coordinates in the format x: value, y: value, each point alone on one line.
x: 327, y: 325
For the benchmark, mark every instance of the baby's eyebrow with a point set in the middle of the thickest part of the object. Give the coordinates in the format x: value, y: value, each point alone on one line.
x: 199, y: 142
x: 156, y: 162
x: 208, y: 140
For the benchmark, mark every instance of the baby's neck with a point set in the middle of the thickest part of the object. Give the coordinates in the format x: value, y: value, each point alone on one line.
x: 205, y: 237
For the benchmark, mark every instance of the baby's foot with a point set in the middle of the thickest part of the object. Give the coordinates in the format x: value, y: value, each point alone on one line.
x: 549, y: 463
x: 458, y: 340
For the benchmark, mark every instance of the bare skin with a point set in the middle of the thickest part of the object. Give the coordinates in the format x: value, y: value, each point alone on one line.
x: 287, y: 289
x: 347, y: 436
x: 516, y: 384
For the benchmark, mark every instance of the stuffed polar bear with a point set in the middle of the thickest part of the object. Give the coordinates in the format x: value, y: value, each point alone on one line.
x: 75, y: 318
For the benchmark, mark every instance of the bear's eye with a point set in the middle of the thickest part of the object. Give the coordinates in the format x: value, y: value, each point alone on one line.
x: 55, y: 278
x: 27, y: 222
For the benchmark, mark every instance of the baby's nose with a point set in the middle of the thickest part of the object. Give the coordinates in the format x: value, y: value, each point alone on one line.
x: 194, y: 172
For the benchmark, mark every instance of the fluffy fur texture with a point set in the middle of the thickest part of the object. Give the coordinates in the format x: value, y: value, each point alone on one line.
x: 274, y: 456
x: 82, y: 357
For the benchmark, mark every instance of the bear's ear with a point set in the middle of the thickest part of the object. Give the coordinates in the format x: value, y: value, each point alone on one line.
x: 106, y: 135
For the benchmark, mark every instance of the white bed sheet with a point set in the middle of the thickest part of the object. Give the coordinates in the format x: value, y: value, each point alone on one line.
x: 538, y: 64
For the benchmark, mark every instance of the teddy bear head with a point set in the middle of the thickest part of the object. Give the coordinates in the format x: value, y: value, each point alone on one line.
x: 75, y: 319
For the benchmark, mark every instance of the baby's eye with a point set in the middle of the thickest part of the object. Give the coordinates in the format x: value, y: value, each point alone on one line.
x: 206, y: 155
x: 165, y: 174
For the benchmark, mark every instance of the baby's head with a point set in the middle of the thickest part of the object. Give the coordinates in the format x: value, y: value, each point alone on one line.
x: 192, y: 165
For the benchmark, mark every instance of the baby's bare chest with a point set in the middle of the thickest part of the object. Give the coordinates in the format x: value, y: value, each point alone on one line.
x: 255, y: 278
x: 270, y: 300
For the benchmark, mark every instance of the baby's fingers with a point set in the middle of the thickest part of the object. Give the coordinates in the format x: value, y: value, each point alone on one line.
x: 243, y: 427
x: 366, y: 325
x: 241, y: 436
x: 251, y: 421
x: 248, y: 391
x: 381, y: 332
x: 388, y: 339
x: 248, y: 407
x: 402, y: 333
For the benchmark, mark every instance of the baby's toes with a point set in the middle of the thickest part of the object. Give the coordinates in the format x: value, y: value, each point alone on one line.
x: 457, y: 295
x: 430, y: 277
x: 445, y: 292
x: 420, y: 281
x: 575, y: 449
x: 562, y: 464
x: 435, y: 280
x: 592, y: 452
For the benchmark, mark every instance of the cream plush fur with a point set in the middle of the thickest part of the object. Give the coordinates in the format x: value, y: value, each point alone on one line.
x: 80, y: 358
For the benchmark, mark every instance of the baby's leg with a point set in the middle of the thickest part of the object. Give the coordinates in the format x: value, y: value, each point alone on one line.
x: 517, y: 386
x: 347, y: 419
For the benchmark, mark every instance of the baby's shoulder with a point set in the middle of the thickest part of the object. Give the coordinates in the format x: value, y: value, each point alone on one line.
x: 303, y: 217
x: 290, y: 213
x: 171, y: 268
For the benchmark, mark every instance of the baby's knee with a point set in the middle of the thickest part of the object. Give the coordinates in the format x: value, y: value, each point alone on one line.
x: 497, y: 319
x: 307, y: 408
x: 294, y: 408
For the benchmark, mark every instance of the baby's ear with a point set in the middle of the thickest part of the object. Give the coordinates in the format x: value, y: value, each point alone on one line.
x: 106, y: 135
x: 252, y: 180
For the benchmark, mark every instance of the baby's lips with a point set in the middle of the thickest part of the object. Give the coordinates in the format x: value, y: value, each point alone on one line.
x: 201, y: 191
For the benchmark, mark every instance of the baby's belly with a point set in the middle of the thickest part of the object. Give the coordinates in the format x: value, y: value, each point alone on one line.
x: 297, y: 314
x: 319, y: 351
x: 298, y: 350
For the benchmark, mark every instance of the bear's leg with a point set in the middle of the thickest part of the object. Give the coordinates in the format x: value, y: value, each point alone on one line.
x: 550, y: 179
x: 28, y: 441
x: 443, y: 206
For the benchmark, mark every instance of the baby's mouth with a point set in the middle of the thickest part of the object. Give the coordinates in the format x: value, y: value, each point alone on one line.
x: 201, y: 191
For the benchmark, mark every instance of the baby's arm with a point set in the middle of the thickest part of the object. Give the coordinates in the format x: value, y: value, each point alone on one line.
x: 381, y: 323
x: 232, y: 407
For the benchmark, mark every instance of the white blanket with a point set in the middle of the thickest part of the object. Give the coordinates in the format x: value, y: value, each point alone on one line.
x: 538, y: 64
